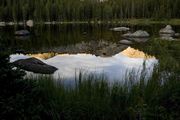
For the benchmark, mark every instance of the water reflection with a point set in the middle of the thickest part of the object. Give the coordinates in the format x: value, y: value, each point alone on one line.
x: 140, y: 40
x: 115, y: 67
x: 135, y: 53
x: 47, y: 38
x: 22, y: 37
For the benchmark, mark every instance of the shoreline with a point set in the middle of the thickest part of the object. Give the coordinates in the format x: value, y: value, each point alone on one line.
x: 124, y: 21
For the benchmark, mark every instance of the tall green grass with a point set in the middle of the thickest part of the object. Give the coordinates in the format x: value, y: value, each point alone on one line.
x: 93, y: 98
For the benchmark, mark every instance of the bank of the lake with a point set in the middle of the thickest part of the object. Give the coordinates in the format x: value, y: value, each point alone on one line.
x: 131, y: 21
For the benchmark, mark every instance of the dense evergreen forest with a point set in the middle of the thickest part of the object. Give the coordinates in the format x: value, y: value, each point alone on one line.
x: 86, y: 10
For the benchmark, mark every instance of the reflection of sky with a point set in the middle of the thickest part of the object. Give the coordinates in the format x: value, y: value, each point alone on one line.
x: 115, y: 67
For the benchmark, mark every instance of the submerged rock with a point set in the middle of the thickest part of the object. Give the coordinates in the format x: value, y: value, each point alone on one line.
x: 120, y: 29
x: 167, y: 30
x: 22, y: 33
x: 137, y: 34
x: 126, y: 42
x: 35, y: 65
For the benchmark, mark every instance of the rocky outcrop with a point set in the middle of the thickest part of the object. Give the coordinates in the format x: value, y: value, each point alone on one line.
x: 137, y: 34
x: 35, y: 65
x: 120, y: 29
x: 22, y: 33
x: 127, y: 35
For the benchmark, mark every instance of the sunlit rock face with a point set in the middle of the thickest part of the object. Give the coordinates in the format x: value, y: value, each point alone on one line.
x: 115, y: 68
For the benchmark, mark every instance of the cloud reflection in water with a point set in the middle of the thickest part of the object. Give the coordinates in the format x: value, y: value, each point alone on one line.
x: 114, y: 68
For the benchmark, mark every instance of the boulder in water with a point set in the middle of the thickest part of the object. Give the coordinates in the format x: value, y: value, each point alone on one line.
x: 167, y: 30
x: 120, y: 29
x: 35, y: 65
x: 30, y: 23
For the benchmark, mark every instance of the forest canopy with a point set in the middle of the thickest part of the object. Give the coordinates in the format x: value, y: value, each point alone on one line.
x: 86, y: 10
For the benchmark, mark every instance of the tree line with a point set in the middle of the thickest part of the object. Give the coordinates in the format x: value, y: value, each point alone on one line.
x: 87, y: 10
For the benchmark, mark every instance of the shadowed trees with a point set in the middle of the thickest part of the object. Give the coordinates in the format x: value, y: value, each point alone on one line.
x: 85, y: 10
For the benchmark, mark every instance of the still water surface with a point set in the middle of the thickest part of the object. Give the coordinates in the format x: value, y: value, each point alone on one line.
x: 84, y: 48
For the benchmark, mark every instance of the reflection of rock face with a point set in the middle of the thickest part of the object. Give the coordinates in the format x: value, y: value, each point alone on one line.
x: 133, y: 53
x: 137, y: 34
x: 120, y: 29
x: 22, y: 33
x: 26, y: 37
x: 35, y: 65
x: 98, y: 48
x: 43, y: 55
x: 140, y: 40
x: 109, y: 50
x: 166, y: 37
x: 126, y: 42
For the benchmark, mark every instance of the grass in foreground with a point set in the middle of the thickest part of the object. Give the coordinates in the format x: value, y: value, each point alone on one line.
x: 94, y: 99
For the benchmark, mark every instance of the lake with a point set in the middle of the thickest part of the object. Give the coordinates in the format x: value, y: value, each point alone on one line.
x: 93, y: 48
